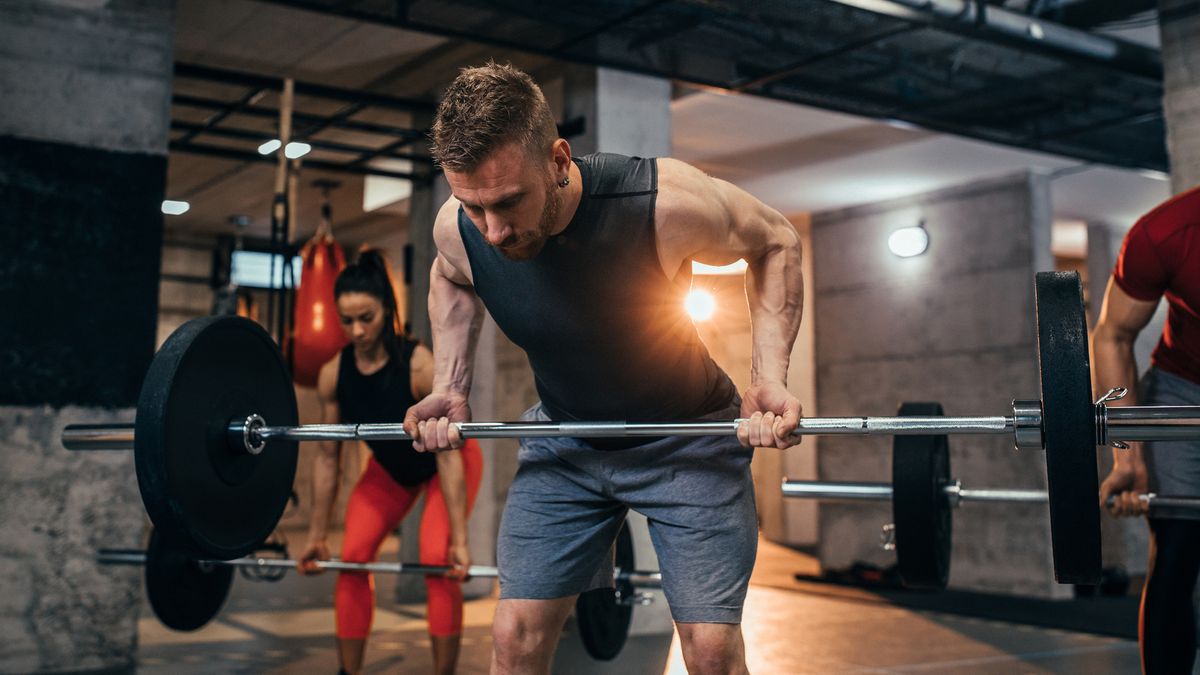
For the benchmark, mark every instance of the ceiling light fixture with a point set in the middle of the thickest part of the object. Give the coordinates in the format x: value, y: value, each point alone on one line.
x: 296, y: 149
x: 269, y: 147
x: 172, y: 207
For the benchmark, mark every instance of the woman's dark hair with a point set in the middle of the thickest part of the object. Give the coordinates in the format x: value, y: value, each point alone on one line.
x: 369, y: 274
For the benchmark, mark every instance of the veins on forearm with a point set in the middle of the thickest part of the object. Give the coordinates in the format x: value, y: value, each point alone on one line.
x: 457, y: 316
x: 775, y: 291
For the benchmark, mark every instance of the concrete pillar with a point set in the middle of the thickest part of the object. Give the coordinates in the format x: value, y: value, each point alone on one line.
x: 1124, y: 540
x: 956, y: 325
x: 1180, y: 31
x: 627, y: 114
x: 83, y: 142
x: 426, y: 200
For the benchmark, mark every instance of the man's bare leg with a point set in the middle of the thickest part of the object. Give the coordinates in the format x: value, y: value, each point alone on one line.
x: 713, y: 648
x: 525, y: 633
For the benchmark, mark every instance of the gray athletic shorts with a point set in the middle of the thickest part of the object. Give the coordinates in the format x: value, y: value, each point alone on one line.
x: 568, y: 500
x: 1174, y: 465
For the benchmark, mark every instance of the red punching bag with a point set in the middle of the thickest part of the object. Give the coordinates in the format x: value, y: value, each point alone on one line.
x: 317, y: 329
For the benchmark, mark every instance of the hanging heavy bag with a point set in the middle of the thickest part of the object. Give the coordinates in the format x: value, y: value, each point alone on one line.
x: 317, y: 333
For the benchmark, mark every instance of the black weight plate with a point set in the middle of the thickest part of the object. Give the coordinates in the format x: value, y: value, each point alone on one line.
x: 603, y: 622
x: 184, y: 594
x: 920, y: 508
x: 1068, y: 428
x: 203, y: 493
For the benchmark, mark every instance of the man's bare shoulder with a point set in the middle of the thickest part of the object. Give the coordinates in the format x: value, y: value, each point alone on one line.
x: 685, y: 193
x: 451, y: 251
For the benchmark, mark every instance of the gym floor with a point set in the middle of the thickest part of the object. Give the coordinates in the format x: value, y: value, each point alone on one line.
x: 790, y: 627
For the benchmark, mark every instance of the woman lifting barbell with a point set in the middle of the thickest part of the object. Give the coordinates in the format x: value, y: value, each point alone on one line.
x: 375, y: 379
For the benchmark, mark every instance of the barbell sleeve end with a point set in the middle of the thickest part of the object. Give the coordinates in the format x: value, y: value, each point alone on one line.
x: 76, y: 437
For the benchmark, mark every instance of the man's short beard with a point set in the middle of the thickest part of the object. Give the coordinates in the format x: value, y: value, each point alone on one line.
x: 529, y: 244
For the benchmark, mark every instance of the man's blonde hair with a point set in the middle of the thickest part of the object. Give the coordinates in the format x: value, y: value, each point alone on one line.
x: 487, y: 107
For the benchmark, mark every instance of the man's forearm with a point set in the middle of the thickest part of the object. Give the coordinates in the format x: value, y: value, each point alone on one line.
x: 1115, y: 366
x: 324, y: 489
x: 1114, y: 363
x: 455, y: 314
x: 452, y: 479
x: 775, y: 291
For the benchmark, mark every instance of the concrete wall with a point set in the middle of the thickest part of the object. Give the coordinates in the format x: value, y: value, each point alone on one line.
x: 1180, y: 31
x: 83, y: 138
x: 956, y: 325
x: 59, y: 610
x: 727, y: 335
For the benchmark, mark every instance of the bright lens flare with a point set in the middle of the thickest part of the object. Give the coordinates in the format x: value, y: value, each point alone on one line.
x: 700, y: 305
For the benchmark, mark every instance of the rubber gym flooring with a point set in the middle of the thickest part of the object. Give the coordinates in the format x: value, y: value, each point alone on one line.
x: 790, y: 627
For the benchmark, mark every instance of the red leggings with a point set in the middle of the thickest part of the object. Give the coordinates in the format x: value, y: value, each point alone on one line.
x: 376, y: 507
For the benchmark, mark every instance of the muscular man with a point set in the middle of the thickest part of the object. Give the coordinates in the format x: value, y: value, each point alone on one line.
x: 584, y: 263
x: 1159, y: 258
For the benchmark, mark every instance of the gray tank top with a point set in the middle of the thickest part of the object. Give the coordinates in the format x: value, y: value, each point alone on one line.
x: 605, y: 330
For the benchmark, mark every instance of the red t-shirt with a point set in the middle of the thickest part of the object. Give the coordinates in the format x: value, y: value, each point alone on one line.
x: 1161, y: 257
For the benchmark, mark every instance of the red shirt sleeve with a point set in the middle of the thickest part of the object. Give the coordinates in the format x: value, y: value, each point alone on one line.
x: 1140, y: 272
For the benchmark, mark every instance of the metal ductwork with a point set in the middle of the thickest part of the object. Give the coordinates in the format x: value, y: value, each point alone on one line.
x: 976, y: 19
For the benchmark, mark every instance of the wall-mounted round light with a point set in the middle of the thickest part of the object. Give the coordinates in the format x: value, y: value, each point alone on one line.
x: 907, y: 242
x: 700, y: 305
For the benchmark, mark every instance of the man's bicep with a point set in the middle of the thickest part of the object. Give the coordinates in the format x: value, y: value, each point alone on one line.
x: 696, y: 219
x: 443, y: 268
x: 745, y: 228
x: 451, y: 261
x: 1125, y: 313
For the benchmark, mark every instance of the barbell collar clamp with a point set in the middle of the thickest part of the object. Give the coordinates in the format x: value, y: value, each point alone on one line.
x: 1027, y: 424
x: 247, y: 434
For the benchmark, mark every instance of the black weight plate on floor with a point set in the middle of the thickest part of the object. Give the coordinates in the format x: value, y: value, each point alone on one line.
x: 1068, y: 428
x: 184, y: 594
x: 603, y: 622
x: 920, y: 509
x: 214, y: 499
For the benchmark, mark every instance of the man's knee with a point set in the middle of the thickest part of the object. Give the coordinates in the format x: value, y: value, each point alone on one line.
x: 712, y: 647
x: 523, y: 631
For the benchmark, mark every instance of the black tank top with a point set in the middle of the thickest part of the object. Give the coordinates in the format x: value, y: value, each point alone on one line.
x: 384, y: 396
x: 605, y: 330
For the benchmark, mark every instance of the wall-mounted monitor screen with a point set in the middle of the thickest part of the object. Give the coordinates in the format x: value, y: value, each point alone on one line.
x: 253, y: 269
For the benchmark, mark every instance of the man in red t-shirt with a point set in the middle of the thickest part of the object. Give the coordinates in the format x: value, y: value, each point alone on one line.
x: 1159, y: 258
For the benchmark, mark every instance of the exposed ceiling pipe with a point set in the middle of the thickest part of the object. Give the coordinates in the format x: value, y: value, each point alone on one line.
x: 989, y: 22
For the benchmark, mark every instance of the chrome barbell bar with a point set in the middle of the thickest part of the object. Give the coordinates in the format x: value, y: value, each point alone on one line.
x: 955, y: 493
x: 636, y: 578
x: 1114, y: 425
